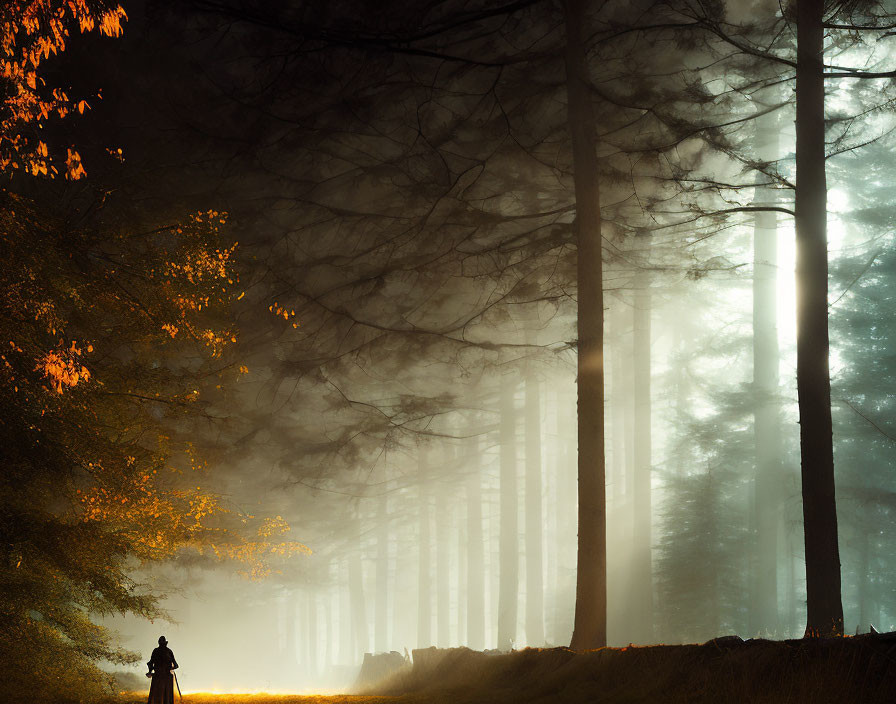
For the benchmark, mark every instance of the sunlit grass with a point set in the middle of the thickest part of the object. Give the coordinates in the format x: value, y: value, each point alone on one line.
x: 261, y: 698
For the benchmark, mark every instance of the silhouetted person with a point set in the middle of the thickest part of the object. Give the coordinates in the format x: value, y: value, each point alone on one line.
x: 161, y: 664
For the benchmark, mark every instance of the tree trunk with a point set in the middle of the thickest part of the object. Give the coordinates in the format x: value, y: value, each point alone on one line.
x: 768, y: 485
x: 590, y: 629
x: 625, y: 517
x: 863, y: 577
x: 534, y: 563
x: 475, y: 554
x: 508, y: 588
x: 404, y: 586
x: 642, y: 533
x: 358, y: 602
x: 424, y: 598
x: 291, y: 653
x: 443, y: 547
x: 823, y: 601
x: 381, y: 623
x: 460, y: 616
x: 327, y: 656
x: 552, y: 517
x: 620, y: 517
x: 344, y: 620
x: 565, y: 546
x: 311, y: 630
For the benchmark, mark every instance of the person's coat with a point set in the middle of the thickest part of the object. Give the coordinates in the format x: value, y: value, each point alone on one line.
x: 161, y: 664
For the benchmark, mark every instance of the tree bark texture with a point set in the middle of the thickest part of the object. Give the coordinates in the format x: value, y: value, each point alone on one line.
x: 823, y: 600
x: 590, y: 629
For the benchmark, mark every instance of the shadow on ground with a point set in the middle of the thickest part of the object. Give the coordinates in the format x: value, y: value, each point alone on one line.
x: 856, y: 670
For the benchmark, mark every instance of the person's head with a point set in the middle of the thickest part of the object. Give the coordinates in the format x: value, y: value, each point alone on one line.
x: 162, y: 641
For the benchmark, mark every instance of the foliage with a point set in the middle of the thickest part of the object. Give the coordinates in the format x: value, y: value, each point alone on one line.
x: 30, y: 31
x: 702, y: 597
x: 864, y: 342
x: 108, y: 336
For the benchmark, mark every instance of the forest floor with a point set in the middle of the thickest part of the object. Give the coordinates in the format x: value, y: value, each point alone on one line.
x: 853, y: 670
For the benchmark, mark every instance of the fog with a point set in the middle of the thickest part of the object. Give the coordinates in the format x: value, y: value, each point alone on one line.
x: 400, y: 539
x: 409, y: 329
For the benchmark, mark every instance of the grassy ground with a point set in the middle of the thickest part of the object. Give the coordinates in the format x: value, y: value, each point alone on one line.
x: 860, y: 670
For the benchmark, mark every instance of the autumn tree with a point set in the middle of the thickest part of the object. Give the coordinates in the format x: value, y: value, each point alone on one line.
x: 113, y: 331
x: 30, y: 32
x: 110, y: 336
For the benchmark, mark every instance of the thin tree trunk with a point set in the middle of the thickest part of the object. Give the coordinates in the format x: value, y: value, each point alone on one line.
x: 475, y: 554
x: 327, y: 660
x: 358, y: 602
x: 617, y: 361
x: 642, y: 533
x: 508, y: 589
x: 492, y: 508
x: 590, y: 629
x: 766, y: 417
x: 823, y: 600
x: 424, y: 598
x: 381, y: 623
x: 552, y: 519
x: 346, y: 631
x: 292, y: 656
x: 404, y: 618
x: 443, y: 547
x: 460, y: 619
x: 311, y: 628
x: 564, y: 598
x: 534, y: 562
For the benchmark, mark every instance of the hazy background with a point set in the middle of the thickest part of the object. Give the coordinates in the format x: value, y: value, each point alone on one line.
x: 413, y: 215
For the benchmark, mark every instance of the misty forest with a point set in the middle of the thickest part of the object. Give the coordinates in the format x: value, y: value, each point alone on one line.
x: 457, y: 350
